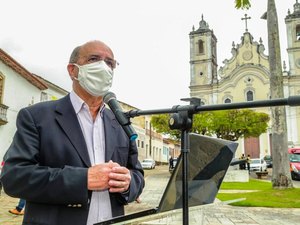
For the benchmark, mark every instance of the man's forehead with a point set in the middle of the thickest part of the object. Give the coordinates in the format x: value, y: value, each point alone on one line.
x: 95, y: 48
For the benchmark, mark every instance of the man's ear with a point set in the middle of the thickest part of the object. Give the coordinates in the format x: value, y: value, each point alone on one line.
x: 72, y: 69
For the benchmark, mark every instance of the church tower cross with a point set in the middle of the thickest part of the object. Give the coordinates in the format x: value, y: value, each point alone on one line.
x: 246, y: 18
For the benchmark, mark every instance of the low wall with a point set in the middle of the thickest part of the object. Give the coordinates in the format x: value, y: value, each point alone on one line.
x: 236, y: 176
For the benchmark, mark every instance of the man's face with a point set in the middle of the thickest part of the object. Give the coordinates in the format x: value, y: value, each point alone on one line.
x: 90, y: 52
x: 96, y: 51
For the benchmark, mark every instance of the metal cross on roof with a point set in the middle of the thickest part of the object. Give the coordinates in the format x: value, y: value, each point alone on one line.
x: 246, y: 18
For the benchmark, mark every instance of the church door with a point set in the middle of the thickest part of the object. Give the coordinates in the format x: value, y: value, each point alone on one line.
x: 251, y: 146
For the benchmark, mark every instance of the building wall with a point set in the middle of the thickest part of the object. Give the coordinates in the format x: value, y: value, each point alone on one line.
x: 17, y: 93
x: 141, y: 141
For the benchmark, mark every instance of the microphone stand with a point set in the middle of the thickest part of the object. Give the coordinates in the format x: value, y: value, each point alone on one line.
x: 182, y: 119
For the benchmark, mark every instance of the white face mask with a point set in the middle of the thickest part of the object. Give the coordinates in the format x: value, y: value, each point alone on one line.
x: 96, y: 78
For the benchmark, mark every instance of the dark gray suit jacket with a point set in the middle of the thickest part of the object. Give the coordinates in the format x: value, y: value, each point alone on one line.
x: 47, y: 164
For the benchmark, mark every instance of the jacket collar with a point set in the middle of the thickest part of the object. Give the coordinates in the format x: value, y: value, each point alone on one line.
x: 67, y: 119
x: 110, y: 125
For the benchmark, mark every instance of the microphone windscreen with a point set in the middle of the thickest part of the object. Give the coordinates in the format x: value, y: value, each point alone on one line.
x: 108, y: 96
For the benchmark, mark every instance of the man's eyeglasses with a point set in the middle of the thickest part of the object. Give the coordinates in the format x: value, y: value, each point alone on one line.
x: 110, y: 62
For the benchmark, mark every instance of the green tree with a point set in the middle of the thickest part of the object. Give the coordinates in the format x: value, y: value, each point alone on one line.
x: 234, y: 124
x: 161, y: 125
x: 242, y: 4
x: 225, y: 124
x: 281, y: 176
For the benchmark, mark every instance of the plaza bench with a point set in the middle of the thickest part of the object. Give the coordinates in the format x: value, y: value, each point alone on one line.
x: 261, y: 174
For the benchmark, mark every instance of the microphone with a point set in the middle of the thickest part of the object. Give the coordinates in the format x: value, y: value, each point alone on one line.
x: 110, y: 99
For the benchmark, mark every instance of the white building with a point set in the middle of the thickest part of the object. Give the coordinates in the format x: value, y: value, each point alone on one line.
x: 19, y: 88
x: 245, y: 77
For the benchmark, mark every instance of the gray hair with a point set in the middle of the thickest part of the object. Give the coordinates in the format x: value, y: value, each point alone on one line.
x: 75, y: 55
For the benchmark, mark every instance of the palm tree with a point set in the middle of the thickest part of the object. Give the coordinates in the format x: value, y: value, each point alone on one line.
x: 242, y: 4
x: 281, y: 177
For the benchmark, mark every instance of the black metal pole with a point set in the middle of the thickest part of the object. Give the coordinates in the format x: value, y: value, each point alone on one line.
x: 184, y: 114
x: 185, y: 148
x: 290, y: 101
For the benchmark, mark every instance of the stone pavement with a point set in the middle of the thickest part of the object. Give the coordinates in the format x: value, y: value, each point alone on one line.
x: 217, y: 213
x: 7, y: 203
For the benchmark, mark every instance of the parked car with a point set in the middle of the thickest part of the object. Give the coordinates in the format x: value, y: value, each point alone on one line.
x: 257, y: 164
x: 148, y: 164
x: 269, y: 161
x: 294, y: 157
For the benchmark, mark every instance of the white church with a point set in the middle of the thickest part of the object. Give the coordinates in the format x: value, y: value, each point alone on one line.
x: 246, y: 76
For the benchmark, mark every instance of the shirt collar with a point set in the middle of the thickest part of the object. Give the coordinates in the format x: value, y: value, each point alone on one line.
x: 78, y: 103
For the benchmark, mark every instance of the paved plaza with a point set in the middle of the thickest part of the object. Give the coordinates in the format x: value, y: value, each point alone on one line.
x: 217, y: 213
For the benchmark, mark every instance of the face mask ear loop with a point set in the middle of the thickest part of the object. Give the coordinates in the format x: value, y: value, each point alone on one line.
x: 75, y: 78
x: 76, y: 65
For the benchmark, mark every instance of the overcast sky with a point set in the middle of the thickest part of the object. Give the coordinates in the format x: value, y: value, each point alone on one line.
x: 150, y: 39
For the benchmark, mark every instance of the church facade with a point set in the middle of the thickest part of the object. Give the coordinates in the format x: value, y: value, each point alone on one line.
x: 246, y: 77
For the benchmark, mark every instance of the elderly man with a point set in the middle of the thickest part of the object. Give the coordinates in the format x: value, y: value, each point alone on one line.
x: 70, y: 159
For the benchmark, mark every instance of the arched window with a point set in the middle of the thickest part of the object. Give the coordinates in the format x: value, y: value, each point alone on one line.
x: 249, y: 96
x: 298, y: 32
x: 227, y: 100
x: 200, y: 47
x: 214, y: 49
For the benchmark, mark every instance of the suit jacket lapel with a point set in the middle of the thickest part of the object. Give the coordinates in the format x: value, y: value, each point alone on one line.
x: 110, y: 123
x: 67, y: 119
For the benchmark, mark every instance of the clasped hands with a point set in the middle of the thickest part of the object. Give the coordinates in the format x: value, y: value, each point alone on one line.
x: 109, y: 176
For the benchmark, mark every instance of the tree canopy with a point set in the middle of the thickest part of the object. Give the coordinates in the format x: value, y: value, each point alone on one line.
x: 225, y: 124
x: 242, y: 4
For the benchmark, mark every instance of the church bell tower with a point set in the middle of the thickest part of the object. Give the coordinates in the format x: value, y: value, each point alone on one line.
x: 203, y: 57
x: 292, y: 22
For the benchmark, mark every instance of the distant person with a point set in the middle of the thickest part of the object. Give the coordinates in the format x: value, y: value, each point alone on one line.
x: 248, y: 162
x: 70, y: 159
x: 243, y: 164
x: 171, y: 166
x: 2, y: 164
x: 19, y: 210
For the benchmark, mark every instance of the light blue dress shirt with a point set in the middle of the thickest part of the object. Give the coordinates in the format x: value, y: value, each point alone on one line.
x: 93, y: 131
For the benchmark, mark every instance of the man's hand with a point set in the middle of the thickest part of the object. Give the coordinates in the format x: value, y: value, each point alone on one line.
x: 119, y: 179
x: 98, y: 176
